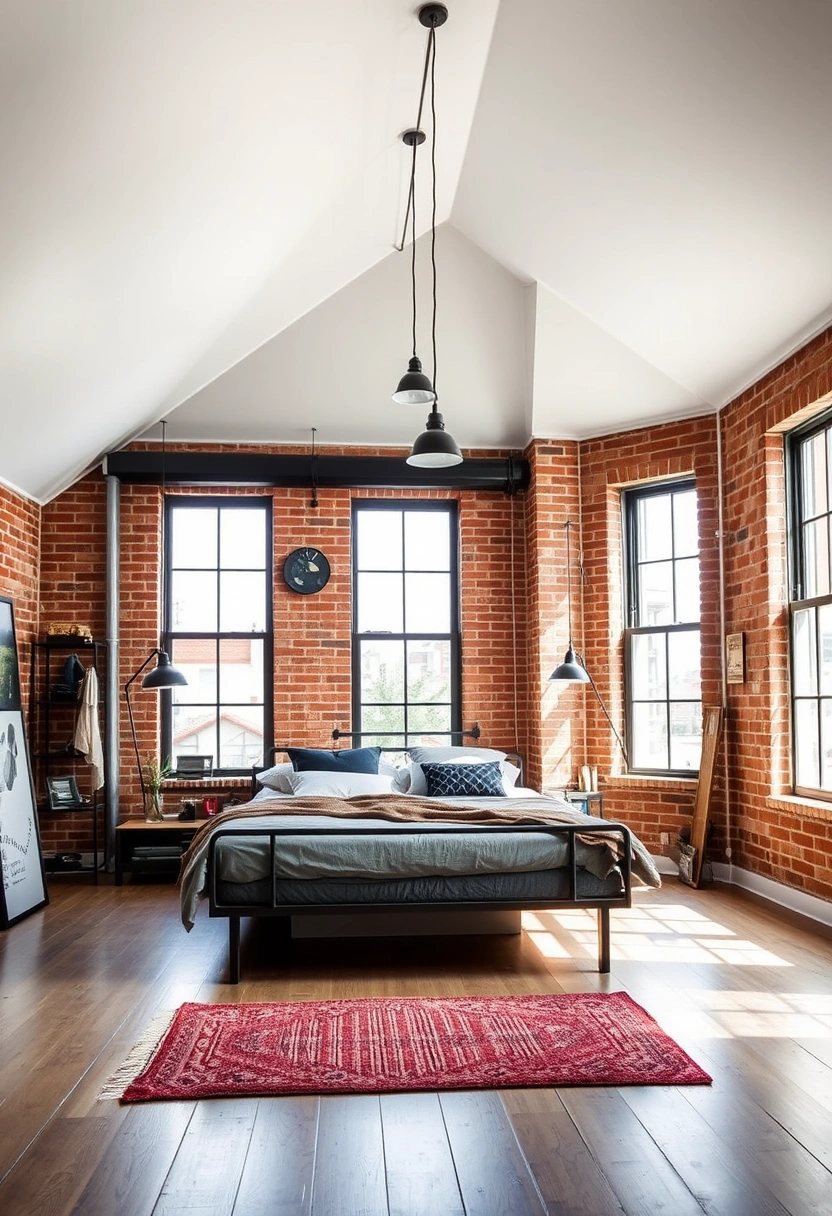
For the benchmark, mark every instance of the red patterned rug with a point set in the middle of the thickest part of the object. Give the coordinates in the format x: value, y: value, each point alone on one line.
x: 381, y: 1046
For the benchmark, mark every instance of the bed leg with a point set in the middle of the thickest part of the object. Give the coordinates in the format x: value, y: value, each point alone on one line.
x: 234, y: 949
x: 603, y: 940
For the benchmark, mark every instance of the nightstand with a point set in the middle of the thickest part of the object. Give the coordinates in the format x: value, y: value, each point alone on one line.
x: 585, y: 799
x: 152, y: 848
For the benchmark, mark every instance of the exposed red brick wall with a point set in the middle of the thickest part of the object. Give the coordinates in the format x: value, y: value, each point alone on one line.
x: 19, y: 553
x: 312, y: 684
x: 771, y: 835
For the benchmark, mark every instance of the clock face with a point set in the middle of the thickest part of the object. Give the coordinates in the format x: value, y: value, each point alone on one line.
x: 306, y: 571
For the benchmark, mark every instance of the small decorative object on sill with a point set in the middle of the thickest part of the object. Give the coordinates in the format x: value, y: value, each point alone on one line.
x: 154, y: 775
x: 188, y: 811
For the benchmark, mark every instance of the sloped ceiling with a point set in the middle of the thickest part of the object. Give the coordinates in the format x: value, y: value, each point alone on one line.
x: 200, y: 201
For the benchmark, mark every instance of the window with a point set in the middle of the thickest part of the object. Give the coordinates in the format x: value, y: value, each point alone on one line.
x: 809, y: 452
x: 662, y: 654
x: 405, y: 646
x: 218, y: 571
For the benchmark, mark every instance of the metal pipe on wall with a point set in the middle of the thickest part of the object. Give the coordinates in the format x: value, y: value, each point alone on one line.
x: 111, y: 733
x: 720, y: 490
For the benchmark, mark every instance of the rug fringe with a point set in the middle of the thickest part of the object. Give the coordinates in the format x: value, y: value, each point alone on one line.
x: 139, y: 1057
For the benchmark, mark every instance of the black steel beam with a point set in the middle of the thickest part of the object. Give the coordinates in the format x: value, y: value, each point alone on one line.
x: 327, y: 472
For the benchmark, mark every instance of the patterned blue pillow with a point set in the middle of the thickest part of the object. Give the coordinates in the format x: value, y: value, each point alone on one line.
x: 464, y: 780
x: 345, y: 760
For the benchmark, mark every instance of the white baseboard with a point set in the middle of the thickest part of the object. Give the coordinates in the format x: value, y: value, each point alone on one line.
x: 776, y: 893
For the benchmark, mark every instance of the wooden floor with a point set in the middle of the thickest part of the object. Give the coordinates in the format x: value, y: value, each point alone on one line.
x: 746, y: 993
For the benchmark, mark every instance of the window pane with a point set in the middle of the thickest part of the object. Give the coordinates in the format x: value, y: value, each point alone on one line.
x: 685, y: 736
x: 428, y: 603
x: 649, y: 736
x: 813, y: 475
x: 825, y: 630
x: 241, y: 671
x: 241, y: 736
x: 194, y: 537
x: 816, y: 558
x: 806, y: 751
x: 683, y: 659
x: 194, y: 601
x: 826, y: 745
x: 656, y: 594
x: 242, y: 602
x: 685, y: 524
x: 382, y: 671
x: 243, y: 539
x: 649, y: 666
x: 194, y: 731
x: 687, y: 590
x: 427, y: 540
x: 381, y: 719
x: 429, y: 671
x: 655, y: 539
x: 380, y: 606
x: 429, y: 718
x: 804, y: 660
x: 196, y: 658
x: 379, y: 540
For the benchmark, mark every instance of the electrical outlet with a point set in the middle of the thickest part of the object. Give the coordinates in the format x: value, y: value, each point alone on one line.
x: 665, y: 838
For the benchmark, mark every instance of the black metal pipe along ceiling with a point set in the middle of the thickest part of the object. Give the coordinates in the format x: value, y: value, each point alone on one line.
x: 506, y: 474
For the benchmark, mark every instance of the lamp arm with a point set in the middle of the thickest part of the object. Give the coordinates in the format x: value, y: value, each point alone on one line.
x: 580, y: 658
x: 153, y: 654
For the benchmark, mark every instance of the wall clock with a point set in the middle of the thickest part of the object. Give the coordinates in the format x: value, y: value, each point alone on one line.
x: 306, y: 571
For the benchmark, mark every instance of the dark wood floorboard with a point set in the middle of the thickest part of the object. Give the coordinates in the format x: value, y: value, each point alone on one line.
x: 746, y: 992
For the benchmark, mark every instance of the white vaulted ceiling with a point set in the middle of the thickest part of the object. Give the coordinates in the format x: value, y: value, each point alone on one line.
x: 200, y: 199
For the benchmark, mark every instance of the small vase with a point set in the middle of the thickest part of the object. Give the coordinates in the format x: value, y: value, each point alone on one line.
x: 153, y: 810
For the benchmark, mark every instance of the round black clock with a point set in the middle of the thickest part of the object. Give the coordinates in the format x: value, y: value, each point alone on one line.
x: 306, y: 571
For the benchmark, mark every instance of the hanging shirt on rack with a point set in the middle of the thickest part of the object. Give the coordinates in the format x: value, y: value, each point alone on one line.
x: 88, y: 729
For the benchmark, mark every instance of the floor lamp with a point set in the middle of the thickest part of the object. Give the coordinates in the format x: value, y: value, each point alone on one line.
x: 163, y: 675
x: 573, y: 669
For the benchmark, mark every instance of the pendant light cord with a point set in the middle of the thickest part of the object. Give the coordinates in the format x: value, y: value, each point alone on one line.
x: 162, y: 555
x: 568, y: 526
x: 432, y: 56
x: 411, y: 194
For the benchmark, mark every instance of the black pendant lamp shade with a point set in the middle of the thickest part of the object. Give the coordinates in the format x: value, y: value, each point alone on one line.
x: 434, y: 448
x: 570, y: 669
x: 164, y: 674
x: 415, y: 387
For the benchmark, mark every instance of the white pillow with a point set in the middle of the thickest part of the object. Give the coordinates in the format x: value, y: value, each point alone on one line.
x: 339, y: 785
x: 511, y: 774
x: 276, y: 778
x: 439, y: 755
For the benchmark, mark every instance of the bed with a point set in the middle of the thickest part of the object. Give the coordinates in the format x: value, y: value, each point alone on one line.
x: 451, y: 831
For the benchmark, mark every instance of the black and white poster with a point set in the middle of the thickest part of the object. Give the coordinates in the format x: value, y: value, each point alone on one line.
x: 24, y: 886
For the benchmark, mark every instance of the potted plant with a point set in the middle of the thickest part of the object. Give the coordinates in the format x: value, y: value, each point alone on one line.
x: 154, y: 774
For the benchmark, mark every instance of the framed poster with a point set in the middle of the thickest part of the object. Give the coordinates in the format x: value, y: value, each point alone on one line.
x: 735, y: 658
x: 23, y: 889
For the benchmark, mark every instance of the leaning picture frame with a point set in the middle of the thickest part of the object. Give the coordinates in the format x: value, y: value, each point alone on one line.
x: 23, y: 886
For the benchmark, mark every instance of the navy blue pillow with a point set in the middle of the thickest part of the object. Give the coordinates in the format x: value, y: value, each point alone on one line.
x: 346, y: 760
x: 464, y: 780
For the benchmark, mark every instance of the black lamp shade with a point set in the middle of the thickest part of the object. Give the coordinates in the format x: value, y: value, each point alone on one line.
x: 571, y: 670
x: 164, y: 674
x: 415, y: 387
x: 434, y: 448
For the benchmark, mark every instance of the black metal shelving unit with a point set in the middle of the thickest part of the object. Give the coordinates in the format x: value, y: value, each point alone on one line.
x: 51, y: 731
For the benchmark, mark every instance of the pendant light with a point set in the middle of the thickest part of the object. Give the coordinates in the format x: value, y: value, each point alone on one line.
x: 414, y: 387
x: 570, y: 668
x: 573, y: 669
x: 434, y: 448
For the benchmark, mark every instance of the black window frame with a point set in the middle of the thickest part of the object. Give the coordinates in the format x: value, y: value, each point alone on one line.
x: 796, y: 525
x: 169, y: 636
x: 630, y: 500
x: 405, y: 738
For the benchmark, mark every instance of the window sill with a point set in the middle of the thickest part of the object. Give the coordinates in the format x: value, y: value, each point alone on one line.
x: 637, y: 781
x: 806, y: 808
